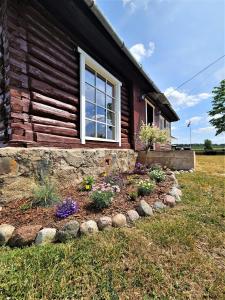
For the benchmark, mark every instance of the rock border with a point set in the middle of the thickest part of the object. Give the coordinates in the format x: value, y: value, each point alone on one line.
x: 20, y: 237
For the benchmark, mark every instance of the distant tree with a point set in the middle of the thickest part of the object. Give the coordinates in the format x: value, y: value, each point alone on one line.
x: 208, y: 145
x: 218, y: 108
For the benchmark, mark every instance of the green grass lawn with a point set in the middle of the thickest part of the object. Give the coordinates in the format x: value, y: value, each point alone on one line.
x: 178, y: 254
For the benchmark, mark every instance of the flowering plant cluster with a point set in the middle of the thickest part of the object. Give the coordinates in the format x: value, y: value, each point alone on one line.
x: 157, y: 175
x: 106, y: 187
x: 102, y: 199
x: 87, y: 183
x: 145, y: 187
x: 115, y: 180
x: 139, y: 169
x: 66, y: 208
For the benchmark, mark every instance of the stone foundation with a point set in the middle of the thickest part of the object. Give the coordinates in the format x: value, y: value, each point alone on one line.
x: 175, y: 160
x: 21, y: 168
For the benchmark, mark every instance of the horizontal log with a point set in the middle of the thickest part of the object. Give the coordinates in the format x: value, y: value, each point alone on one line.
x: 55, y: 130
x: 124, y: 124
x: 52, y: 102
x: 125, y: 119
x: 51, y: 60
x: 125, y: 113
x: 49, y: 138
x: 50, y: 91
x: 48, y: 69
x: 20, y: 116
x: 48, y: 110
x: 49, y: 77
x: 26, y: 126
x: 52, y: 50
x: 47, y: 121
x: 20, y: 138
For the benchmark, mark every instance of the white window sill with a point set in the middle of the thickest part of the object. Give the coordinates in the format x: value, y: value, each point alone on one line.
x: 100, y: 140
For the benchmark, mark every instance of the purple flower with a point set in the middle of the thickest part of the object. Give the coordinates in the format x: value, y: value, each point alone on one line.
x: 66, y: 208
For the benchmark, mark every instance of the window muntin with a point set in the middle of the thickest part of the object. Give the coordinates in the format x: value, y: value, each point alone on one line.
x: 100, y: 106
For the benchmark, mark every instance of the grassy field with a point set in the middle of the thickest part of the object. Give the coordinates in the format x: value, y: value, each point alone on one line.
x: 178, y: 254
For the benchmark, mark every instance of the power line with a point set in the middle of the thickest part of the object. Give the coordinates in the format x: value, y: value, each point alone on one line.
x: 195, y: 75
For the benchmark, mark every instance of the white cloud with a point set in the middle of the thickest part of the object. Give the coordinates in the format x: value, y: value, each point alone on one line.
x: 194, y: 120
x: 183, y: 99
x: 207, y: 129
x: 139, y: 51
x: 133, y: 5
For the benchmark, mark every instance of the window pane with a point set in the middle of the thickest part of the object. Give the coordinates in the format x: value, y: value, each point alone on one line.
x: 100, y: 98
x: 110, y: 133
x: 109, y: 89
x: 89, y: 93
x: 100, y: 83
x: 90, y: 128
x: 90, y: 110
x: 110, y: 118
x: 89, y: 77
x: 110, y: 103
x: 101, y: 114
x: 101, y: 131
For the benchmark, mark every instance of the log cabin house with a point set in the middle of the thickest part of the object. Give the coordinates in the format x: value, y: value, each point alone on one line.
x: 67, y: 80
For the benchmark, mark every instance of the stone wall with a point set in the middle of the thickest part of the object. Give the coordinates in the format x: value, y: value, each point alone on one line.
x: 21, y: 168
x: 175, y: 160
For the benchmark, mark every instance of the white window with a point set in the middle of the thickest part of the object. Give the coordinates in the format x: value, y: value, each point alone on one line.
x: 100, y: 117
x: 149, y: 113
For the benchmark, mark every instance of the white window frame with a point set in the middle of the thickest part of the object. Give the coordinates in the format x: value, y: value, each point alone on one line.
x: 163, y: 119
x: 146, y: 111
x: 86, y: 60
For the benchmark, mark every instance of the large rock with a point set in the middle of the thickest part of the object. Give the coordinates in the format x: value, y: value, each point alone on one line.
x: 46, y: 236
x: 176, y: 193
x: 144, y: 209
x: 68, y: 232
x: 104, y: 223
x: 88, y: 227
x: 24, y: 236
x: 6, y: 232
x: 159, y: 205
x: 132, y: 216
x: 119, y: 220
x: 170, y: 200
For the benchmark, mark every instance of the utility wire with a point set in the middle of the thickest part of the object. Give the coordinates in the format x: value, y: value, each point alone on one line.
x: 195, y: 75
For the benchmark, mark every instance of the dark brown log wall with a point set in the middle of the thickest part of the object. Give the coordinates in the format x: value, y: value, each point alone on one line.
x: 44, y: 81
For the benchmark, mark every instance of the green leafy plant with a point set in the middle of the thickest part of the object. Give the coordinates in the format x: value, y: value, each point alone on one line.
x: 132, y: 196
x: 145, y: 187
x: 157, y: 175
x: 102, y: 199
x: 45, y: 194
x: 25, y: 206
x: 155, y: 167
x: 87, y: 183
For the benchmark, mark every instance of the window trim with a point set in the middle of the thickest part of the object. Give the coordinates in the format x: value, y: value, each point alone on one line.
x: 85, y: 59
x: 147, y: 102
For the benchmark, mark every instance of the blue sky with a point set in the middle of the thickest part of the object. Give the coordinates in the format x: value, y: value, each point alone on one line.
x: 173, y: 40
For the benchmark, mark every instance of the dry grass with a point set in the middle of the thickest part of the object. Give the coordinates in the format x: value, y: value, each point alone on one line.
x: 179, y: 254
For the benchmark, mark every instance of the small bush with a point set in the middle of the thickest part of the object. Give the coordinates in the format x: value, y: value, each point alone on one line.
x: 66, y: 208
x: 25, y: 206
x: 45, y: 195
x: 102, y: 199
x: 132, y: 179
x: 87, y: 183
x: 157, y: 175
x: 145, y: 187
x: 132, y: 196
x: 139, y: 169
x: 156, y: 167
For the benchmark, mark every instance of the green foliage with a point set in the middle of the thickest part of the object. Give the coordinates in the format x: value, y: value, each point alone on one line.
x: 152, y: 134
x: 25, y: 206
x: 218, y: 108
x: 87, y: 183
x: 157, y: 175
x: 145, y: 187
x: 208, y: 145
x: 132, y: 196
x: 45, y: 194
x: 102, y: 199
x: 156, y: 167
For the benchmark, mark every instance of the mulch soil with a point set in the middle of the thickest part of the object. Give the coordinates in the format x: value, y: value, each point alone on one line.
x: 13, y: 213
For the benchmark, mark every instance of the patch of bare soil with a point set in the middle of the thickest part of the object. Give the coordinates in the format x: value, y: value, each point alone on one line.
x: 14, y: 214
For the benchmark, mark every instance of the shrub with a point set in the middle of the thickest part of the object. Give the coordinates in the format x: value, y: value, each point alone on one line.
x: 132, y: 196
x: 157, y: 175
x: 115, y: 180
x: 102, y: 199
x: 139, y: 169
x: 131, y: 179
x: 145, y: 187
x: 66, y: 208
x: 87, y: 183
x: 156, y: 167
x: 45, y: 194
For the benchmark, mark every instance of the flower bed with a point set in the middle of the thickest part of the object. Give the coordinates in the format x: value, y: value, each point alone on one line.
x: 118, y: 197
